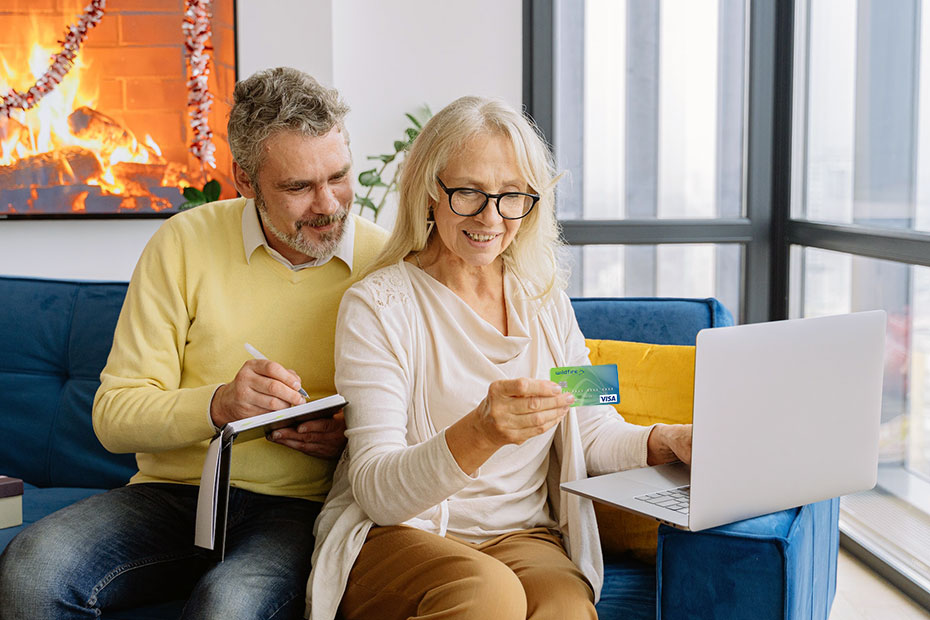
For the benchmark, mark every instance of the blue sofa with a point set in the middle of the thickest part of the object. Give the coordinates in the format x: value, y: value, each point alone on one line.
x: 54, y: 340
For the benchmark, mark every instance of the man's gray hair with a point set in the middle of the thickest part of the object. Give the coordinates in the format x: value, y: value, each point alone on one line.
x: 279, y: 99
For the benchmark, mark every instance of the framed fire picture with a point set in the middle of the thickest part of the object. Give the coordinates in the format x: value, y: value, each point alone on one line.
x: 114, y: 108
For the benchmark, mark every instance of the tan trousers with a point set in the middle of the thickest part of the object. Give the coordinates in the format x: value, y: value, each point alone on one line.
x: 405, y: 573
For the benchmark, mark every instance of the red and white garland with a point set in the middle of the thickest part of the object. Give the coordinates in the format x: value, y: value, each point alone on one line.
x: 62, y: 62
x: 199, y: 98
x: 197, y: 33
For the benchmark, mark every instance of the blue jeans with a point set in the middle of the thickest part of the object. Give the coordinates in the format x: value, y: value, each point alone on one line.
x: 134, y: 546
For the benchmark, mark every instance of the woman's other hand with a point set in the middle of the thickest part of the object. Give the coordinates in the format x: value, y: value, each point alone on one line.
x: 514, y: 411
x: 669, y: 442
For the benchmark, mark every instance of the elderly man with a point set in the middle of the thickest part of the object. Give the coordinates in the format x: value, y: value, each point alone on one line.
x: 269, y: 269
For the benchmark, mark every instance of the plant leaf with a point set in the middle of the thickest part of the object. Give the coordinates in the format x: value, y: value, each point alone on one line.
x: 369, y: 178
x: 194, y: 195
x: 399, y: 145
x: 365, y: 202
x: 385, y: 158
x: 413, y: 119
x: 184, y: 206
x: 412, y: 133
x: 211, y: 191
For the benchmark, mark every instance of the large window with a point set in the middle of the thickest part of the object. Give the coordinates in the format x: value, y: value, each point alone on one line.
x: 838, y: 282
x: 649, y: 124
x: 862, y: 121
x: 775, y: 155
x: 860, y: 203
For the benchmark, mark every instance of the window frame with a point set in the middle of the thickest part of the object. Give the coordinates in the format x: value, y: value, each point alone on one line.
x: 768, y: 231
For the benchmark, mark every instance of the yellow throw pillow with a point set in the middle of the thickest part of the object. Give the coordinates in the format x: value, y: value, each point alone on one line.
x: 656, y: 385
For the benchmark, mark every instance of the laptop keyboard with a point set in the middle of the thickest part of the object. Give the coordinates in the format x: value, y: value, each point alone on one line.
x: 673, y: 499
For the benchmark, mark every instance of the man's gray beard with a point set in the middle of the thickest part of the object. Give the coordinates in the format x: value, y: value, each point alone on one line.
x: 328, y: 240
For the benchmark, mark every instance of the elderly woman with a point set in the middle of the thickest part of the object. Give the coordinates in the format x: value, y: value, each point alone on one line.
x: 446, y: 502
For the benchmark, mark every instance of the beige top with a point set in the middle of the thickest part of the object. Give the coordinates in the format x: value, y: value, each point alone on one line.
x: 411, y: 358
x: 467, y: 353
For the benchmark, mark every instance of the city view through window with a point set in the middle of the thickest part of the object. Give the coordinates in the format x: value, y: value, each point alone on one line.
x: 663, y: 137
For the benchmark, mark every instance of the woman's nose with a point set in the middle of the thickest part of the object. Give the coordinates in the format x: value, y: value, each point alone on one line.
x: 490, y: 215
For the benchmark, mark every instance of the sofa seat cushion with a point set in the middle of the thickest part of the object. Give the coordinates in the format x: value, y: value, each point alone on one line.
x: 38, y: 503
x: 629, y: 591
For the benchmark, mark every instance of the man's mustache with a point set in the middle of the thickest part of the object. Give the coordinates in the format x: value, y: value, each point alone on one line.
x: 323, y: 220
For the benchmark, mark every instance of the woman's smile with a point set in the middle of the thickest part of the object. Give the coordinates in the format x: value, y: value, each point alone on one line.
x: 481, y: 239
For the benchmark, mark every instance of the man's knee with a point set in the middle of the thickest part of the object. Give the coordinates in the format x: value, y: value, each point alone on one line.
x: 485, y: 587
x: 244, y: 597
x: 35, y: 571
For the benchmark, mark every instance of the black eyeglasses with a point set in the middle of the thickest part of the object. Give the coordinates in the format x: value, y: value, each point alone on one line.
x: 468, y: 201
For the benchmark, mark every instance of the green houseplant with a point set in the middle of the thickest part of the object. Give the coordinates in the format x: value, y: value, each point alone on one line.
x: 195, y: 197
x: 376, y: 189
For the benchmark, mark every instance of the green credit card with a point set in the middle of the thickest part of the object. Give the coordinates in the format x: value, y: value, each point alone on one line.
x: 591, y: 385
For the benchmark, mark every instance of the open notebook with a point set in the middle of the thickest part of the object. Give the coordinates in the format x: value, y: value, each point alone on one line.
x: 213, y: 499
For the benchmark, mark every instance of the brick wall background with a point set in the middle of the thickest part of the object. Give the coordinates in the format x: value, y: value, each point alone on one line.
x: 136, y: 56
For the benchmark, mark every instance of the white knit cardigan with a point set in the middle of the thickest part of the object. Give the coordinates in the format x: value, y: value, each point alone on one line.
x: 385, y: 299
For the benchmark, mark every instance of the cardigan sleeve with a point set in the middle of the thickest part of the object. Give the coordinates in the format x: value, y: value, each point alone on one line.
x: 392, y: 479
x: 610, y: 443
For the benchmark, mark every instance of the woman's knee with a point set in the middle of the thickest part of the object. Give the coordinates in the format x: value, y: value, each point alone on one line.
x: 485, y: 587
x: 558, y: 596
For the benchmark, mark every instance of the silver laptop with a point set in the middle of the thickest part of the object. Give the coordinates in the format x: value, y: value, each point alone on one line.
x: 786, y: 413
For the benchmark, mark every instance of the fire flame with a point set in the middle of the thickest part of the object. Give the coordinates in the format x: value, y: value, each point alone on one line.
x: 86, y: 145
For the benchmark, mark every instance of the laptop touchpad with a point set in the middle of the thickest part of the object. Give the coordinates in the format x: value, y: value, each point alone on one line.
x: 666, y: 476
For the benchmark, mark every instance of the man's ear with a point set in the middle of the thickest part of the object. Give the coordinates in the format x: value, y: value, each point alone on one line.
x: 243, y: 181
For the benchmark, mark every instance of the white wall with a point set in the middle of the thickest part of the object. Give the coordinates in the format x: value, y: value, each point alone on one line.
x: 291, y: 33
x: 387, y: 58
x: 73, y: 249
x: 393, y: 57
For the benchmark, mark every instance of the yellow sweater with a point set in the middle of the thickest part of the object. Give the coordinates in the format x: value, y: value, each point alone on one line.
x: 192, y: 303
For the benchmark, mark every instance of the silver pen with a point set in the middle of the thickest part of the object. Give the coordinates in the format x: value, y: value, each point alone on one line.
x: 258, y: 355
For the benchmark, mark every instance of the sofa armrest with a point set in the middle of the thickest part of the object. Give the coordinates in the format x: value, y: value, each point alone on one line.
x: 777, y: 566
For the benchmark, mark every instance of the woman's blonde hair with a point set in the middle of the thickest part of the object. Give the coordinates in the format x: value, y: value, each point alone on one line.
x: 534, y: 253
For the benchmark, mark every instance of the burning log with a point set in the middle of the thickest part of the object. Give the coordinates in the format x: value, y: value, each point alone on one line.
x: 89, y: 124
x: 176, y: 175
x: 73, y: 164
x: 137, y: 179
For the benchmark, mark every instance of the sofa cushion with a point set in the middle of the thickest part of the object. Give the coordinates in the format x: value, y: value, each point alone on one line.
x: 649, y: 319
x: 656, y: 386
x: 54, y: 340
x: 629, y: 591
x: 656, y: 381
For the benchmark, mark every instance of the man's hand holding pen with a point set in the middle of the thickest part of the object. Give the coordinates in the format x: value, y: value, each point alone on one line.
x: 262, y: 385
